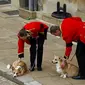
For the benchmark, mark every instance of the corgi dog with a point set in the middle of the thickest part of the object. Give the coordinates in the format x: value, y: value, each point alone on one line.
x: 18, y: 68
x: 69, y: 70
x: 62, y: 71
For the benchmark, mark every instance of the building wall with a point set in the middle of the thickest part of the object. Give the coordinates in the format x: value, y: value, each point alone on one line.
x: 72, y: 5
x: 15, y: 3
x: 50, y: 5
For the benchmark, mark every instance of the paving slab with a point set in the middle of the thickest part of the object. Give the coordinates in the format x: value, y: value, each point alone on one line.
x: 4, y: 81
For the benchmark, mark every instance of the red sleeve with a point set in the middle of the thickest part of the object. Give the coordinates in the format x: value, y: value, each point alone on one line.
x: 27, y: 41
x: 45, y: 26
x: 68, y: 51
x: 20, y: 46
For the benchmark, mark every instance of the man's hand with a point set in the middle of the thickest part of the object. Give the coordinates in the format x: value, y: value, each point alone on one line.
x: 21, y: 55
x: 64, y: 62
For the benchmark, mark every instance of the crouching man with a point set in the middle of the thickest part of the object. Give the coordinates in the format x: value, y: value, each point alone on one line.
x: 73, y: 29
x: 33, y: 33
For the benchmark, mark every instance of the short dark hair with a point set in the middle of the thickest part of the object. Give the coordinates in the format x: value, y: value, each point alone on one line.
x: 54, y: 28
x: 22, y: 33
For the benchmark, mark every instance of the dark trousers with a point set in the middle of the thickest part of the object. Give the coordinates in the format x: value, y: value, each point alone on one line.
x: 80, y: 54
x: 36, y: 50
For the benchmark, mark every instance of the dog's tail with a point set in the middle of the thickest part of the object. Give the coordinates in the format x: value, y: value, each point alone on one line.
x: 9, y: 66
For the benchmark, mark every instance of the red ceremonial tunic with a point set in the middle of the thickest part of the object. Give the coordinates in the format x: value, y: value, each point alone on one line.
x: 35, y: 28
x: 73, y: 29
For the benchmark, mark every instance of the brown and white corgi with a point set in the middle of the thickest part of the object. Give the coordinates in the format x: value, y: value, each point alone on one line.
x: 18, y: 67
x: 68, y: 71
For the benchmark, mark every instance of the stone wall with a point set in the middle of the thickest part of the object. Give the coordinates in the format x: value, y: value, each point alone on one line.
x: 15, y: 3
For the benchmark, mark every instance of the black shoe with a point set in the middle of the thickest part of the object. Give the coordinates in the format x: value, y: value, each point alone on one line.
x: 31, y: 69
x: 39, y: 69
x: 78, y: 77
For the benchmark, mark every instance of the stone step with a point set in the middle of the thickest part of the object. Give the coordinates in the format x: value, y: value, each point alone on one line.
x: 26, y: 14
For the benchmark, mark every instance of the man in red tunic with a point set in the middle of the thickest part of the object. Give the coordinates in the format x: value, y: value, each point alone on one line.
x: 73, y: 29
x: 33, y: 33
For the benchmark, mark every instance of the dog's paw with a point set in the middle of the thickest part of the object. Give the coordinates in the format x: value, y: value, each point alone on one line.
x: 61, y: 75
x: 8, y: 66
x: 64, y: 76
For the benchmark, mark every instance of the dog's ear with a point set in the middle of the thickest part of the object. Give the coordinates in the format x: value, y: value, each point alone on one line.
x: 55, y: 56
x: 60, y: 58
x: 9, y: 66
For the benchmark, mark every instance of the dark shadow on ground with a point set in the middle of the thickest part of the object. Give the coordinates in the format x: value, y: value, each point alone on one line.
x: 5, y: 2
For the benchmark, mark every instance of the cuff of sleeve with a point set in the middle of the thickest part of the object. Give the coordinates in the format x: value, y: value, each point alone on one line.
x: 21, y: 55
x: 66, y: 57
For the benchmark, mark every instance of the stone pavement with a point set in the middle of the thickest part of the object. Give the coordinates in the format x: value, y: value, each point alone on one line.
x: 9, y: 27
x: 4, y: 81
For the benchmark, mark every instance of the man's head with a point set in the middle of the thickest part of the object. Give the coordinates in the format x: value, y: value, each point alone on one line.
x: 24, y: 34
x: 55, y: 30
